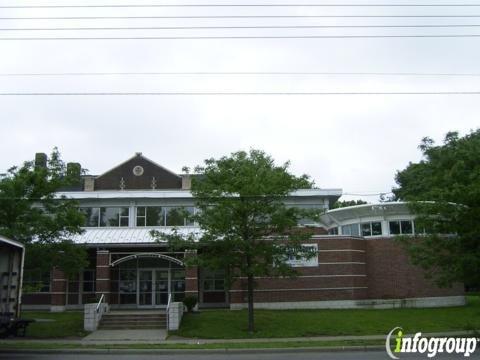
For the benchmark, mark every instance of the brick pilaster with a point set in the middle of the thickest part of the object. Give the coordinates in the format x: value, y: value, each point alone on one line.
x: 191, y: 277
x: 58, y: 291
x: 102, y: 275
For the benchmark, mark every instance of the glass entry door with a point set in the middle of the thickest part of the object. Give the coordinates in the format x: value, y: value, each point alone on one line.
x: 153, y: 287
x: 161, y: 287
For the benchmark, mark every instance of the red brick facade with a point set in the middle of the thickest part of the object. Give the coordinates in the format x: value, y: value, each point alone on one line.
x: 391, y: 275
x: 349, y: 268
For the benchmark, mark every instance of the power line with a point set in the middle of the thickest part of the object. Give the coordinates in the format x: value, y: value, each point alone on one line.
x: 235, y: 93
x: 369, y: 194
x: 266, y: 73
x: 240, y: 37
x: 228, y: 5
x: 234, y: 17
x: 244, y: 27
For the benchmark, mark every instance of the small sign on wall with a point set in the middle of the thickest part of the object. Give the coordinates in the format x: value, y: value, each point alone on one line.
x: 303, y: 262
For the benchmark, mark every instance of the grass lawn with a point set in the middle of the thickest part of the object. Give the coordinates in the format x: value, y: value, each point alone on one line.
x: 225, y: 324
x: 66, y: 324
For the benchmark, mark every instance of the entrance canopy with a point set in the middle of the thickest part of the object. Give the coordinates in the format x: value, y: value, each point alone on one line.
x: 147, y: 255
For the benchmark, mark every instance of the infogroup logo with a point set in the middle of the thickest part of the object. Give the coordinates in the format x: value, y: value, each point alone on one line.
x: 429, y: 345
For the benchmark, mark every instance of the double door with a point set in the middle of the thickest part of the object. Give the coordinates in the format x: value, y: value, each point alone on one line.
x: 153, y: 287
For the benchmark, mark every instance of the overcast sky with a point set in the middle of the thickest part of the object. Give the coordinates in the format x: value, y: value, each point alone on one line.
x: 351, y: 142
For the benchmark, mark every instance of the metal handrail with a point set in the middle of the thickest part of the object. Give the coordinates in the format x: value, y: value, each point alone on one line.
x: 168, y: 310
x: 102, y: 299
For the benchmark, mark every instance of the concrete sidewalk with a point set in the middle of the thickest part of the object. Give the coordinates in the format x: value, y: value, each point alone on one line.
x: 135, y: 336
x: 105, y: 337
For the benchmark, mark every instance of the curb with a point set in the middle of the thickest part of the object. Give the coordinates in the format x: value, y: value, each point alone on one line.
x: 194, y: 351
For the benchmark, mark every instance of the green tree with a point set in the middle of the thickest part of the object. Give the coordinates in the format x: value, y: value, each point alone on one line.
x: 32, y: 214
x: 443, y: 190
x: 345, y: 203
x: 246, y: 228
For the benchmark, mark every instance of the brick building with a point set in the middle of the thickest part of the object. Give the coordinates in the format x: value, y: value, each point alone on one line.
x: 358, y: 262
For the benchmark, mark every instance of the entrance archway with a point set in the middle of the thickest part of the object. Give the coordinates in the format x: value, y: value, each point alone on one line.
x: 147, y: 280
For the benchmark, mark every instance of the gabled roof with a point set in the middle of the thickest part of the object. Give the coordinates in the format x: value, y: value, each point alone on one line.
x: 138, y: 173
x: 138, y: 155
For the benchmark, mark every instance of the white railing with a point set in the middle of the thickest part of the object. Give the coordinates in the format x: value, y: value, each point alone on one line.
x: 93, y: 314
x: 102, y: 299
x: 167, y: 312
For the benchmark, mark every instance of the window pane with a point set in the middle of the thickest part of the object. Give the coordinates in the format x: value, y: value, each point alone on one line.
x: 141, y: 211
x: 355, y: 230
x: 109, y: 216
x: 155, y: 216
x: 366, y: 231
x: 190, y: 211
x: 333, y: 231
x: 175, y: 217
x: 124, y: 221
x: 124, y: 211
x: 219, y: 285
x: 140, y: 220
x: 178, y: 274
x: 394, y: 227
x: 376, y: 228
x: 36, y: 281
x: 346, y: 230
x: 178, y: 285
x: 208, y: 285
x: 406, y: 227
x: 91, y: 216
x: 88, y: 275
x: 89, y: 287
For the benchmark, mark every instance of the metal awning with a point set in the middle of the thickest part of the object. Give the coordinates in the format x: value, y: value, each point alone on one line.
x: 127, y: 235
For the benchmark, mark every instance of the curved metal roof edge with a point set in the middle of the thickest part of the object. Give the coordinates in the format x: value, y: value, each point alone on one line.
x: 11, y: 242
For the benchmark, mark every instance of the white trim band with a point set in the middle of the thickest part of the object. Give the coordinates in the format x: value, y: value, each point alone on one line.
x: 304, y: 289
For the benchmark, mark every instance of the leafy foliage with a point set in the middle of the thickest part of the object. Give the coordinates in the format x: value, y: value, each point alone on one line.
x: 345, y: 203
x: 190, y: 302
x: 444, y: 192
x: 246, y: 228
x: 31, y: 213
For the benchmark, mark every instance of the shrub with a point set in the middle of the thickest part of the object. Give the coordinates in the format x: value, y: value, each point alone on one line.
x: 190, y: 302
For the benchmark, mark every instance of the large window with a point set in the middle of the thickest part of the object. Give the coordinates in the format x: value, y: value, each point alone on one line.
x: 127, y: 286
x: 372, y: 228
x: 213, y: 281
x: 36, y: 281
x: 88, y: 285
x: 150, y: 216
x: 92, y: 216
x: 105, y: 216
x: 333, y: 231
x: 164, y: 216
x: 351, y: 229
x: 401, y: 227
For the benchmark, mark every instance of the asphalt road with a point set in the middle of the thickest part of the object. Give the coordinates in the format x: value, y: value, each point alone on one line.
x: 358, y: 355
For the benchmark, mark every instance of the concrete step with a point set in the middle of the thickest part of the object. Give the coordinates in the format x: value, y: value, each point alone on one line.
x: 125, y: 317
x: 125, y: 321
x: 133, y: 322
x: 131, y: 327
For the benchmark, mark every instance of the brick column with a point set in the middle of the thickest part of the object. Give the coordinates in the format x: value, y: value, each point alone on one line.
x: 191, y: 277
x: 58, y: 291
x: 102, y: 275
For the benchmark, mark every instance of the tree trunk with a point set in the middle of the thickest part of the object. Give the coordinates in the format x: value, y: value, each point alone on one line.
x: 251, y: 327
